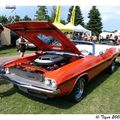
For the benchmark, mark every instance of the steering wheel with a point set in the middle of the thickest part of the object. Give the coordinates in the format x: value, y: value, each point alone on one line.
x: 85, y: 52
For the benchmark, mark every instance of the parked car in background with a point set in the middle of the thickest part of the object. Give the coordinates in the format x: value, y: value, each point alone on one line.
x: 106, y: 41
x: 61, y: 67
x: 28, y: 44
x: 118, y: 41
x: 110, y: 42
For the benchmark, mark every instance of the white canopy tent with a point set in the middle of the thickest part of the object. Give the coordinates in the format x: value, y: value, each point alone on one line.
x: 69, y: 27
x: 117, y: 33
x: 103, y: 35
x: 79, y: 28
x: 60, y: 26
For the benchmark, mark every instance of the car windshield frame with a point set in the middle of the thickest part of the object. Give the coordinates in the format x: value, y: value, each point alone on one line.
x: 77, y: 42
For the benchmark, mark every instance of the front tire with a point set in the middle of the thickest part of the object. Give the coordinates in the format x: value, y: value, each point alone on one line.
x: 112, y: 67
x: 77, y: 93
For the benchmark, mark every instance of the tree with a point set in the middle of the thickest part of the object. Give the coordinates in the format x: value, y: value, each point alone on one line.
x: 63, y: 22
x: 26, y: 18
x: 42, y: 13
x: 17, y: 18
x: 78, y: 16
x: 94, y: 24
x: 12, y: 19
x: 3, y: 19
x: 53, y: 14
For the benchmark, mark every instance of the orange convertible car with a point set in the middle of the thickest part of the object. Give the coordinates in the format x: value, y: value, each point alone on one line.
x: 60, y: 67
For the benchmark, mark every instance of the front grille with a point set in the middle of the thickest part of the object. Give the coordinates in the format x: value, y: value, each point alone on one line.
x: 27, y: 74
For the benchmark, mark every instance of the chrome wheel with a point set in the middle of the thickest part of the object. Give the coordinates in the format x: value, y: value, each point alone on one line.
x: 79, y: 89
x: 112, y: 67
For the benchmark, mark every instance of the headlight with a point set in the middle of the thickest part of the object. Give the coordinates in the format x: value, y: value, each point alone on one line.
x: 7, y: 70
x: 50, y: 82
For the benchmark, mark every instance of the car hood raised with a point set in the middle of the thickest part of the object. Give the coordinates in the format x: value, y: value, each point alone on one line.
x: 31, y: 30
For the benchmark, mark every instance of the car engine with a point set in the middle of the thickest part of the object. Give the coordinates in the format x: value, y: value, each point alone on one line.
x: 49, y: 59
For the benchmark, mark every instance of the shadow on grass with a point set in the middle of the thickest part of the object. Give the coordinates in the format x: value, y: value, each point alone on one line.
x: 6, y: 47
x: 3, y: 81
x: 3, y: 53
x: 61, y: 102
x: 98, y: 80
x: 95, y: 82
x: 7, y: 93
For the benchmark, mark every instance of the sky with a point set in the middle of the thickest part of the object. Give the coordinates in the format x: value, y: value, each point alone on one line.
x: 110, y: 14
x: 109, y: 10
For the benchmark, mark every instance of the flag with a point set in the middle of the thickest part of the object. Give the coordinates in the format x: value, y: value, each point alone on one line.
x: 72, y: 20
x: 58, y: 14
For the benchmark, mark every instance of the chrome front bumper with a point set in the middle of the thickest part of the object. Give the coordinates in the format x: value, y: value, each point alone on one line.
x: 38, y: 88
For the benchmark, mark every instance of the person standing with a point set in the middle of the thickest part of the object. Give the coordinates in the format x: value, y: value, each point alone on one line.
x: 22, y: 46
x: 94, y: 38
x: 79, y: 36
x: 115, y: 41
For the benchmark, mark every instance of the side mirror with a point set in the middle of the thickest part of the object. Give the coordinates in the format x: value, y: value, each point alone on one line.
x: 90, y: 53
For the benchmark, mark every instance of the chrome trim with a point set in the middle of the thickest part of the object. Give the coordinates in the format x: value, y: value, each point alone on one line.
x: 40, y: 89
x: 32, y: 87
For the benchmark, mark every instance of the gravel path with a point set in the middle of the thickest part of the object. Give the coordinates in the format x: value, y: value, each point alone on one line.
x: 10, y: 58
x: 7, y: 59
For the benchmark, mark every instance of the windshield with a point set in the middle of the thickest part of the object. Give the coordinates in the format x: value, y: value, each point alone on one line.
x: 86, y: 48
x: 49, y: 40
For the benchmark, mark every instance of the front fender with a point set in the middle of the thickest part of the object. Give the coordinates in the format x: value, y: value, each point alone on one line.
x: 67, y: 87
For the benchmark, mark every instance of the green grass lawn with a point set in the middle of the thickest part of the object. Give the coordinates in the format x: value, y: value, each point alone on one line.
x: 8, y: 51
x: 12, y: 51
x: 102, y: 96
